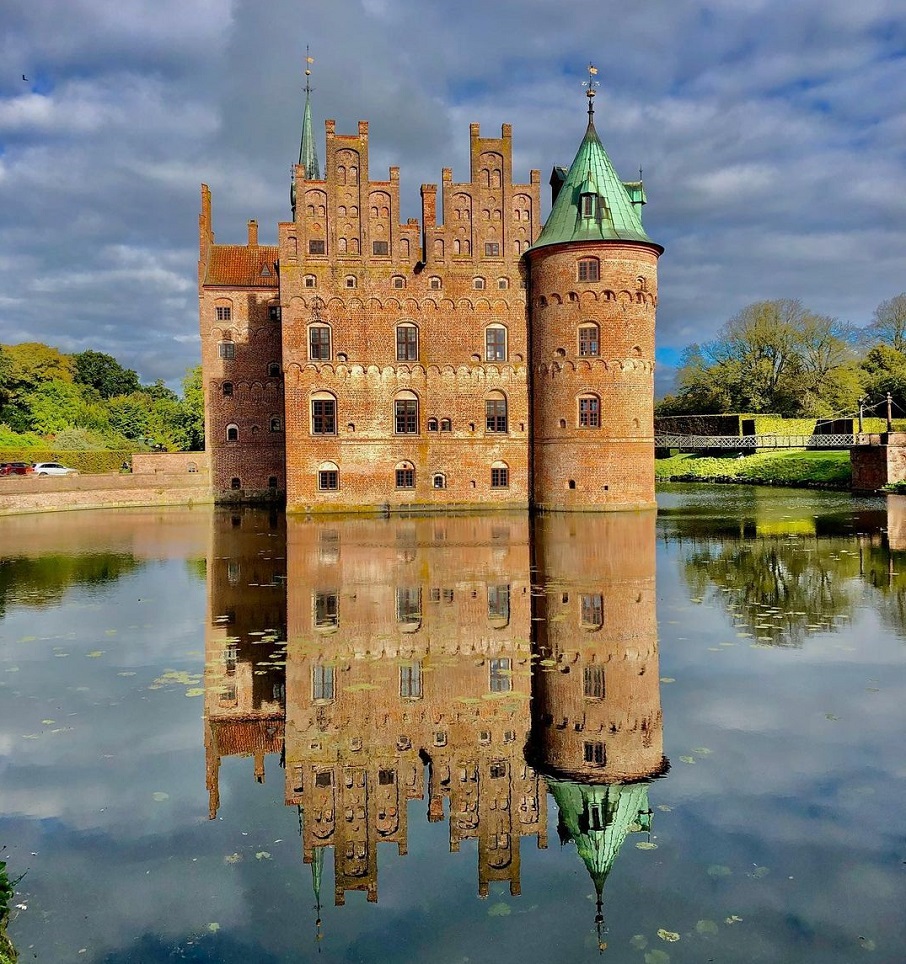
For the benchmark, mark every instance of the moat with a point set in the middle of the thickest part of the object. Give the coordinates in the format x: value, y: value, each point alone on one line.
x: 229, y: 735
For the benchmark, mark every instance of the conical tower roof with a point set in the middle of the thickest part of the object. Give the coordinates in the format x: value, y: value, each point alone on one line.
x: 308, y: 155
x: 612, y: 214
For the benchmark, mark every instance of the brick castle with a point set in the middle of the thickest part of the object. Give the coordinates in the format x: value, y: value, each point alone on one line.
x: 483, y: 361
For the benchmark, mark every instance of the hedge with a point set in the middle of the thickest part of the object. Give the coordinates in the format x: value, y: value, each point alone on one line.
x: 94, y: 462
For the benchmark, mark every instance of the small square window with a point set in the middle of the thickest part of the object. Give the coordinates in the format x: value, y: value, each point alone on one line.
x: 224, y: 313
x: 273, y: 312
x: 399, y: 282
x: 310, y: 281
x: 317, y: 247
x: 326, y: 610
x: 380, y: 248
x: 502, y: 283
x: 434, y: 284
x: 276, y: 424
x: 351, y: 281
x: 492, y: 249
x: 478, y: 284
x: 227, y: 349
x: 227, y: 389
x: 592, y: 613
x: 328, y: 480
x: 589, y: 269
x: 324, y: 778
x: 500, y: 478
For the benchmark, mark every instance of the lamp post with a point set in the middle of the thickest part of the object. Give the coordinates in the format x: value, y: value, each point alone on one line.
x: 889, y: 412
x: 861, y: 407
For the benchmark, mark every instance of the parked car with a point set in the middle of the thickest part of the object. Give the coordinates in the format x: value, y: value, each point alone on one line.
x: 53, y: 468
x: 15, y: 468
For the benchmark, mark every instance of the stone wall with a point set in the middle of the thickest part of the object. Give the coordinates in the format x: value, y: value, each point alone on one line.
x: 170, y: 463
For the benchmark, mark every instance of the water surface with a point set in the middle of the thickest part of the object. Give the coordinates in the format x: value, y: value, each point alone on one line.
x: 228, y: 736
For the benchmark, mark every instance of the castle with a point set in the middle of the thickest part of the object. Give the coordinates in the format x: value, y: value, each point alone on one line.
x: 484, y: 361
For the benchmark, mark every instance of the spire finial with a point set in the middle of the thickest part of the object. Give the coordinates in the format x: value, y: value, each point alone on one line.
x: 590, y: 86
x: 309, y: 60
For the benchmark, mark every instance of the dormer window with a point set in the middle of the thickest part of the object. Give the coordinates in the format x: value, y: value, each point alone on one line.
x: 589, y: 205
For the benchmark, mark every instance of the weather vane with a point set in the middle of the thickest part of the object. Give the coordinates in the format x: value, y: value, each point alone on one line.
x: 309, y: 60
x: 591, y: 84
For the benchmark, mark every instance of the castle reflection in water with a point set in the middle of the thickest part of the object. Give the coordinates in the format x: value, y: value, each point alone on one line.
x: 480, y: 661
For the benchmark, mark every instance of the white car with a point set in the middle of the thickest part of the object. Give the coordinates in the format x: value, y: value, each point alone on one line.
x: 53, y: 468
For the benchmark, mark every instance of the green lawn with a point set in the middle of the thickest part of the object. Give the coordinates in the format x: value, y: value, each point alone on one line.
x: 793, y: 467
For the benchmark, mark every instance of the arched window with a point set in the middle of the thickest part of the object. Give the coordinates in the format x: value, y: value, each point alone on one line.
x: 310, y: 281
x: 500, y: 475
x: 589, y: 269
x: 495, y: 343
x: 276, y: 423
x: 328, y: 477
x: 589, y: 411
x: 432, y: 424
x: 446, y: 425
x: 319, y: 342
x: 435, y: 283
x: 351, y: 281
x: 478, y: 284
x: 496, y: 413
x: 273, y: 369
x: 223, y: 309
x: 323, y: 414
x: 503, y: 283
x: 399, y: 281
x: 235, y: 483
x: 405, y: 475
x: 406, y: 342
x: 589, y: 339
x: 232, y: 433
x: 405, y: 414
x: 439, y: 481
x: 227, y: 389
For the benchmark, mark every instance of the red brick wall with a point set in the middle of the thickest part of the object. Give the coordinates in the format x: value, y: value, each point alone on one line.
x: 610, y: 466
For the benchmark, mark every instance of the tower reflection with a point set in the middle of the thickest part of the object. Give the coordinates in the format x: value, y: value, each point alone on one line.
x: 454, y: 660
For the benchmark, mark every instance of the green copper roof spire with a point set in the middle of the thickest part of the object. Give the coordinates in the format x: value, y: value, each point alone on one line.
x: 308, y: 155
x: 592, y: 203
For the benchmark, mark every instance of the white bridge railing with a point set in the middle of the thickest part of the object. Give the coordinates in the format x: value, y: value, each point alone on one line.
x: 740, y: 442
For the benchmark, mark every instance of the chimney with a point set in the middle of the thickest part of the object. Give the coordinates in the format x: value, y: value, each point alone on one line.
x: 253, y: 234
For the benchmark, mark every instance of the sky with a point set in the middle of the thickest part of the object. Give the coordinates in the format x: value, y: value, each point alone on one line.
x: 772, y: 136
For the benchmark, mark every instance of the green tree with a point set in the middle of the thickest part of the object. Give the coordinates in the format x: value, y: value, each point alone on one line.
x: 104, y: 374
x: 889, y: 325
x: 885, y: 371
x: 193, y: 409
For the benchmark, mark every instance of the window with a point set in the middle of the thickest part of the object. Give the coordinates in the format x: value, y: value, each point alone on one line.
x: 501, y: 676
x: 446, y: 425
x: 406, y: 343
x: 439, y: 481
x: 500, y: 476
x: 405, y: 413
x: 595, y: 753
x: 386, y: 778
x: 589, y: 205
x: 592, y: 610
x: 227, y: 349
x: 328, y: 477
x: 503, y: 283
x: 223, y: 313
x: 399, y: 281
x: 497, y: 770
x: 478, y: 284
x: 326, y: 614
x: 276, y: 424
x: 495, y: 343
x: 351, y: 281
x: 405, y: 476
x: 319, y: 342
x: 411, y: 682
x: 322, y: 686
x: 589, y: 343
x: 232, y: 433
x: 324, y: 415
x: 432, y: 424
x: 235, y: 483
x: 324, y: 778
x: 227, y: 389
x: 317, y: 247
x: 590, y: 411
x: 408, y: 605
x: 492, y: 249
x: 434, y: 284
x: 273, y: 312
x: 589, y: 269
x: 498, y: 603
x: 495, y: 413
x: 272, y: 481
x: 380, y: 248
x: 310, y: 281
x: 273, y: 369
x: 594, y: 682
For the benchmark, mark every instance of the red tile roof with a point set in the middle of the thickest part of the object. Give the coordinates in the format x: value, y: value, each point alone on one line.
x: 240, y: 266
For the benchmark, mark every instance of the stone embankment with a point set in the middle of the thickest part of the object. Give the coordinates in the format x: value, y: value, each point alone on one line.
x: 30, y: 493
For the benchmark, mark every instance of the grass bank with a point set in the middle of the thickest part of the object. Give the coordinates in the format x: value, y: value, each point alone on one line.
x: 795, y: 468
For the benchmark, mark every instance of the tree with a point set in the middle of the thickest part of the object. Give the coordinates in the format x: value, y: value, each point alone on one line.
x: 104, y: 374
x: 193, y: 409
x: 889, y: 325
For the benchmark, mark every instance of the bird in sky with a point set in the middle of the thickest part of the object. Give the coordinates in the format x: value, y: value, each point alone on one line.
x: 25, y: 78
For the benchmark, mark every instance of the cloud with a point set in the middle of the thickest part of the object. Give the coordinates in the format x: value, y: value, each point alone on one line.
x: 771, y: 136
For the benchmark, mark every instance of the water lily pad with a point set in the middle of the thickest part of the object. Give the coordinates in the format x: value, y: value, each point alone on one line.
x: 499, y: 909
x: 646, y: 845
x: 759, y: 872
x: 657, y: 956
x: 262, y: 855
x: 670, y: 936
x: 719, y: 870
x: 701, y: 750
x: 160, y: 796
x: 707, y: 928
x: 638, y: 942
x: 687, y: 759
x: 95, y: 653
x: 667, y: 679
x: 195, y: 691
x: 232, y: 858
x: 733, y: 919
x: 213, y: 927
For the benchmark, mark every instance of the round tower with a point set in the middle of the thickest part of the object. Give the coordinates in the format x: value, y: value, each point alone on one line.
x: 591, y: 321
